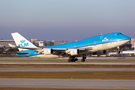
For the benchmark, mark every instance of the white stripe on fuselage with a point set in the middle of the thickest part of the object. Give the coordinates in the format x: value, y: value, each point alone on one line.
x: 96, y: 48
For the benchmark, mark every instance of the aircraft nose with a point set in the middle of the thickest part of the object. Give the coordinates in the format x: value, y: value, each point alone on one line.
x: 127, y: 37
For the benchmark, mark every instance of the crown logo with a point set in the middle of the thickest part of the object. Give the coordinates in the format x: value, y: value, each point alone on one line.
x: 105, y: 39
x: 22, y: 41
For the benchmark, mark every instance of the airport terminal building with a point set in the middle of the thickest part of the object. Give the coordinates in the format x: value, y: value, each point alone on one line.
x: 5, y: 50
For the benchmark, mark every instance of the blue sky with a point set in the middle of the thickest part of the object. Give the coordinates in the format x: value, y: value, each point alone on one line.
x: 66, y: 19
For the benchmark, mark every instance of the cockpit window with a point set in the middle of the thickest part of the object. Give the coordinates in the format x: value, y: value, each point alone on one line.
x: 119, y: 33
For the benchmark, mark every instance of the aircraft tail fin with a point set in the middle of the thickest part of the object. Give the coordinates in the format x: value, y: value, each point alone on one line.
x: 22, y: 42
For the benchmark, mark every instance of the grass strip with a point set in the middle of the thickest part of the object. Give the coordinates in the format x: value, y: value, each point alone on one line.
x: 15, y: 88
x: 63, y: 66
x: 72, y: 75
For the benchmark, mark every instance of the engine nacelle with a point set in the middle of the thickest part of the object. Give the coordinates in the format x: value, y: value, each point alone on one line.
x: 47, y: 51
x: 72, y: 52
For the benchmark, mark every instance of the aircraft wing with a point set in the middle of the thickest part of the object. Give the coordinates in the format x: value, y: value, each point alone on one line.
x: 58, y: 51
x: 62, y: 51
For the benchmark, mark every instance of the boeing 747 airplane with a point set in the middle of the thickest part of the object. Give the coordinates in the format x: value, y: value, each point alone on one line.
x: 72, y: 49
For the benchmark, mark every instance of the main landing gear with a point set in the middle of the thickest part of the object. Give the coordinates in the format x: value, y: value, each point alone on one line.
x: 83, y: 58
x: 73, y: 58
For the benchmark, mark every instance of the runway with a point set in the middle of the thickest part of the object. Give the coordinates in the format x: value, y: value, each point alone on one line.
x: 63, y: 69
x: 66, y: 58
x: 72, y: 63
x: 63, y: 61
x: 68, y: 83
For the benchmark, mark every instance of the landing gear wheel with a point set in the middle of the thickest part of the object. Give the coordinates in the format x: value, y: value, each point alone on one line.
x: 76, y: 59
x: 83, y: 58
x: 72, y: 59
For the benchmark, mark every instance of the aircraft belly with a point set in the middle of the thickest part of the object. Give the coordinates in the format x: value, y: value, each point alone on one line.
x: 116, y: 44
x: 105, y: 46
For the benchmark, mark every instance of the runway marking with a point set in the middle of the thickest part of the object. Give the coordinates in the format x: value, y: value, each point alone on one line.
x: 119, y: 87
x: 79, y: 63
x: 27, y: 63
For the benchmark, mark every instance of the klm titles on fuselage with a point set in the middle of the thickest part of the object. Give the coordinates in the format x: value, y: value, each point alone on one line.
x: 23, y: 43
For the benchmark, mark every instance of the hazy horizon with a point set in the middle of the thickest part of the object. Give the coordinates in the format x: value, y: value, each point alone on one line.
x: 66, y: 20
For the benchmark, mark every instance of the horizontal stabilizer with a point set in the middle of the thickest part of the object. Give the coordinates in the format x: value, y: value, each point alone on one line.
x: 23, y: 53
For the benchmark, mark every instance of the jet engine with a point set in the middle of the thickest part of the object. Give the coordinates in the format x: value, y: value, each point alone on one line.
x: 72, y: 52
x: 48, y: 51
